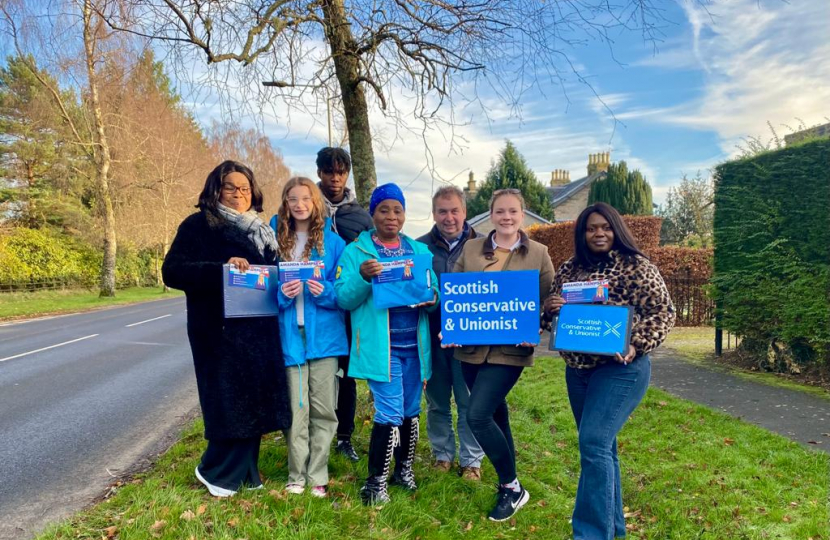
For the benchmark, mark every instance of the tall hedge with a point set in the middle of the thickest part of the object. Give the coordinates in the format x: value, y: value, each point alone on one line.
x: 772, y: 249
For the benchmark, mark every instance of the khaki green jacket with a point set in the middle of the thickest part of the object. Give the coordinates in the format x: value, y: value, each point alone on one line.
x: 477, y: 256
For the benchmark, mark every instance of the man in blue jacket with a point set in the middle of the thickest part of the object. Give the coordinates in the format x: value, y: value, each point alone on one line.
x: 348, y: 220
x: 446, y: 240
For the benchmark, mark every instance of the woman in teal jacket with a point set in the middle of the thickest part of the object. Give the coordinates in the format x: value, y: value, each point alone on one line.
x: 390, y: 347
x: 312, y: 333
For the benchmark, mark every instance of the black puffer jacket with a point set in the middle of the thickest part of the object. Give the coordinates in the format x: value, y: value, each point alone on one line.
x: 240, y: 372
x: 348, y: 218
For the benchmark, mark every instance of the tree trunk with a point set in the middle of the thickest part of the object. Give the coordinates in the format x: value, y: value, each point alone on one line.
x: 102, y: 158
x: 347, y: 69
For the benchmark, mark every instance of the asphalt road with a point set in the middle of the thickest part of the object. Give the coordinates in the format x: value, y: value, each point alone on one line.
x: 84, y: 399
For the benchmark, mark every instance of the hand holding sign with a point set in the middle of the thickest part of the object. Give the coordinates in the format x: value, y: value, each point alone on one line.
x: 315, y: 287
x: 370, y: 268
x: 292, y: 288
x: 553, y: 304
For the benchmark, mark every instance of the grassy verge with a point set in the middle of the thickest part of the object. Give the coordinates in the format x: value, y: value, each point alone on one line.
x: 688, y: 472
x: 30, y: 304
x: 697, y: 345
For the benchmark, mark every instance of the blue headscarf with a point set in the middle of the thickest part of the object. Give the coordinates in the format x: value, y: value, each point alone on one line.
x: 383, y: 193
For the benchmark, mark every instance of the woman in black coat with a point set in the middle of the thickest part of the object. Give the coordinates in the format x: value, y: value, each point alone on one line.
x: 239, y: 367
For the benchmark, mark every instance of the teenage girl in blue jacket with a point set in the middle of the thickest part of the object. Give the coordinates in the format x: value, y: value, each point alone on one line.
x: 312, y: 333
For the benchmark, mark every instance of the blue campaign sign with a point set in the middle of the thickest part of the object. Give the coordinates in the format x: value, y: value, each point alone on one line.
x: 592, y: 328
x: 490, y: 308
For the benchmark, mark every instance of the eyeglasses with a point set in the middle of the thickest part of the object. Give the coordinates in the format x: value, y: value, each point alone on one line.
x: 507, y: 191
x: 230, y: 189
x: 294, y: 200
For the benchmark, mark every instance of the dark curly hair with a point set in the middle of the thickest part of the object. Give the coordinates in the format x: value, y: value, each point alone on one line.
x: 209, y: 197
x: 624, y: 241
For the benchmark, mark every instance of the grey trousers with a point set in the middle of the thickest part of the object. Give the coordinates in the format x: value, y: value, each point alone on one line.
x: 446, y: 382
x: 313, y: 391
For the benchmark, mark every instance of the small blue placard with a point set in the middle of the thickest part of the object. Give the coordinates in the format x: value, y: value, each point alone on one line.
x: 490, y: 308
x: 592, y: 329
x: 252, y: 293
x: 405, y: 281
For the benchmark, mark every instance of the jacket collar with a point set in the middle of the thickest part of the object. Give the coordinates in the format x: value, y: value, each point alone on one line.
x: 489, y: 252
x: 439, y: 240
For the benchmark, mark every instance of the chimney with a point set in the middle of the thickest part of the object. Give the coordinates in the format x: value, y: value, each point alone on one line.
x: 471, y: 186
x: 559, y: 177
x: 598, y: 162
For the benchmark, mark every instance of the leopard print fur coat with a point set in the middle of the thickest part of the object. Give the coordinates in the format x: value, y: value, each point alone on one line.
x: 632, y: 281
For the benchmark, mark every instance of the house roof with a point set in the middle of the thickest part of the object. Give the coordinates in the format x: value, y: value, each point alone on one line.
x: 485, y: 215
x: 560, y: 194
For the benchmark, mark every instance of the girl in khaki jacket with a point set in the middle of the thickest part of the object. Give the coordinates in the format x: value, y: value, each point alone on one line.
x: 491, y: 371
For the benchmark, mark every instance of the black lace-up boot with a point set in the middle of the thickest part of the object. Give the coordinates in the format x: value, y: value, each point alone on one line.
x: 381, y: 445
x: 405, y: 455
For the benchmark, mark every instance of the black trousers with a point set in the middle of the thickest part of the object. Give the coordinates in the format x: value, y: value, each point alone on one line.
x: 347, y: 394
x: 346, y: 403
x: 487, y: 413
x: 231, y: 463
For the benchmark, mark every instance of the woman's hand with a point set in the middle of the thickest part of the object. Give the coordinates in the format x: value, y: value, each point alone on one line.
x: 315, y: 287
x: 446, y: 345
x: 239, y: 262
x: 370, y: 268
x: 553, y: 304
x: 429, y: 303
x: 628, y: 358
x: 292, y: 288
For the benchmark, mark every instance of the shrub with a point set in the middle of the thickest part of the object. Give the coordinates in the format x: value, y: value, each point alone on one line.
x: 771, y: 260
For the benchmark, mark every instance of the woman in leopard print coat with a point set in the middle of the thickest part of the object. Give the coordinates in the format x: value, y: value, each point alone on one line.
x: 604, y: 390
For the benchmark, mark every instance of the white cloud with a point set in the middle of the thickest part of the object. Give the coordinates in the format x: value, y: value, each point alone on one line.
x: 767, y: 62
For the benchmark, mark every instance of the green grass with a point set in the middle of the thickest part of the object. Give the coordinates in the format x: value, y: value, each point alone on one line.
x: 30, y: 304
x: 697, y: 345
x: 688, y: 473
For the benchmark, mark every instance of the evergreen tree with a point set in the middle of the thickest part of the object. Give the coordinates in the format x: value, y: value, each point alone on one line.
x: 511, y: 171
x: 688, y: 213
x: 39, y: 184
x: 627, y: 191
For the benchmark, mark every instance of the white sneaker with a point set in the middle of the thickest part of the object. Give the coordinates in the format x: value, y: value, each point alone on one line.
x: 319, y: 491
x: 294, y: 489
x: 216, y: 491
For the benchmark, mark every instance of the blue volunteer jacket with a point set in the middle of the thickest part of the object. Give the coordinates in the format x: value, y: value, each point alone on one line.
x: 325, y: 323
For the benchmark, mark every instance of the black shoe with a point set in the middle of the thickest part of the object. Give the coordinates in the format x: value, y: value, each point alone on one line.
x: 345, y: 448
x: 381, y: 445
x: 509, y: 503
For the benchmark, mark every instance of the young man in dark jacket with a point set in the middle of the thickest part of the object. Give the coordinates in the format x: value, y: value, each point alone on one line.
x: 446, y: 240
x: 348, y: 220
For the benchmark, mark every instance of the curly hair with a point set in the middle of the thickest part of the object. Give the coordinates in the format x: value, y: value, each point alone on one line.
x: 287, y: 236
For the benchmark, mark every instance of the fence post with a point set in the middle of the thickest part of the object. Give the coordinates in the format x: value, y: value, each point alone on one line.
x: 718, y: 333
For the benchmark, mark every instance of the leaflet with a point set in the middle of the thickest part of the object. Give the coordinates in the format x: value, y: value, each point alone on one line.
x: 255, y: 278
x: 302, y: 270
x: 396, y: 270
x: 585, y: 292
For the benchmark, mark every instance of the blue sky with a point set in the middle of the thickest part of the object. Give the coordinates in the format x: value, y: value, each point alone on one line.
x: 716, y: 77
x: 720, y: 73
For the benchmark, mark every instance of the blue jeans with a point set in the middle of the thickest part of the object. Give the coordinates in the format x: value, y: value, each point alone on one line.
x: 400, y: 397
x: 602, y: 399
x: 447, y: 381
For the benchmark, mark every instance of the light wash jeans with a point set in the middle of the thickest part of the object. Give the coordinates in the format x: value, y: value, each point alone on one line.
x: 447, y: 382
x: 400, y: 397
x: 602, y: 399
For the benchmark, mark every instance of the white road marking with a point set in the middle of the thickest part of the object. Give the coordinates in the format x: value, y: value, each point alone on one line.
x: 47, y: 348
x: 148, y: 320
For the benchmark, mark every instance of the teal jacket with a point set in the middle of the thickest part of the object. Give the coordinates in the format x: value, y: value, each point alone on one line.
x: 371, y: 351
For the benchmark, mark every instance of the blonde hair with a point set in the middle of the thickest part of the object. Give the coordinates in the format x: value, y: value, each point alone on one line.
x: 287, y: 236
x: 507, y: 191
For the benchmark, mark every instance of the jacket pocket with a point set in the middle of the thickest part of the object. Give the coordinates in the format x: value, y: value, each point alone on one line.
x: 516, y: 351
x: 466, y: 350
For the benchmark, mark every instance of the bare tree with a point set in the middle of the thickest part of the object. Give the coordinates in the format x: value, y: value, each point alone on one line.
x: 254, y: 150
x: 402, y: 56
x: 28, y: 31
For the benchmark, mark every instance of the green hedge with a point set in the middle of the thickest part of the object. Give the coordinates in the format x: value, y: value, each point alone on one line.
x: 772, y: 249
x: 40, y: 255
